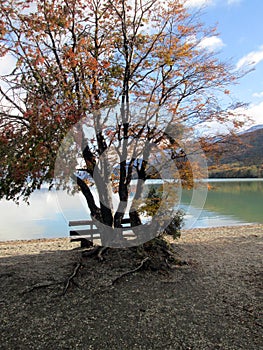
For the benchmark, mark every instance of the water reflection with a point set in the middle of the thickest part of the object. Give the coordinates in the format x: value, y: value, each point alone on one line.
x: 228, y: 203
x: 43, y: 218
x: 242, y: 199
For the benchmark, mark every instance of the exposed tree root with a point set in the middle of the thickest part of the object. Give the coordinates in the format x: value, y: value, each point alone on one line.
x: 155, y: 255
x: 161, y: 253
x: 131, y: 271
x: 71, y: 277
x: 39, y: 285
x: 67, y: 283
x: 98, y: 251
x: 91, y: 252
x: 101, y: 251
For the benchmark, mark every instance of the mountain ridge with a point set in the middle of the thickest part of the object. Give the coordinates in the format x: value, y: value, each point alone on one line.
x: 240, y: 155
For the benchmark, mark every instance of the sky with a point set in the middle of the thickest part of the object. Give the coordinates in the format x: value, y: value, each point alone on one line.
x: 240, y: 27
x: 240, y: 39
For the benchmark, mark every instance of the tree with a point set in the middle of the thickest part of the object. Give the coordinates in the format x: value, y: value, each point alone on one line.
x: 117, y: 83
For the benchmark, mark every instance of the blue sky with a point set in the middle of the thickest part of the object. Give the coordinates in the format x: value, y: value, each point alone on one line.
x: 240, y: 28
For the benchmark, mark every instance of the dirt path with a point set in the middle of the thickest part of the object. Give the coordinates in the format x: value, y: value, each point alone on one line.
x: 214, y: 302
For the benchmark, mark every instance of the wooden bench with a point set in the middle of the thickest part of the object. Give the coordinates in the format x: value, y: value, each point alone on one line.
x: 87, y: 235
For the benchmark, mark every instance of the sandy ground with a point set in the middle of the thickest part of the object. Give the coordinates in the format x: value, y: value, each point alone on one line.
x: 213, y: 302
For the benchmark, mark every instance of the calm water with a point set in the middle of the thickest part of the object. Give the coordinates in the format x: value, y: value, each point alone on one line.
x: 228, y: 203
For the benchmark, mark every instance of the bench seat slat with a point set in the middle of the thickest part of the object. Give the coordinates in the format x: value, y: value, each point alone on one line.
x: 79, y: 237
x: 84, y: 232
x: 88, y: 237
x: 81, y: 223
x: 94, y: 231
x: 85, y: 235
x: 91, y: 223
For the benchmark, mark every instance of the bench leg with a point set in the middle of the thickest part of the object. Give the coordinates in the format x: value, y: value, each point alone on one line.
x: 85, y: 243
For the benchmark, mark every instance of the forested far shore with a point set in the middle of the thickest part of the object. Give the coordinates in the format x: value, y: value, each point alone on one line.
x: 236, y: 171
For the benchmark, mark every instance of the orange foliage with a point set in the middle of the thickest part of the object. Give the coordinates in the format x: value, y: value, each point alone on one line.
x: 76, y: 57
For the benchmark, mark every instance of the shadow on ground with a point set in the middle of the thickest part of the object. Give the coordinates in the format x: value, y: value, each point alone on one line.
x: 211, y: 303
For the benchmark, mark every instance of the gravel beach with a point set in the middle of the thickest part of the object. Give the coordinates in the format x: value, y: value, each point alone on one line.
x: 212, y: 302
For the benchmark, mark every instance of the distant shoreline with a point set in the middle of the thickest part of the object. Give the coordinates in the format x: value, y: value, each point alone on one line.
x: 222, y: 179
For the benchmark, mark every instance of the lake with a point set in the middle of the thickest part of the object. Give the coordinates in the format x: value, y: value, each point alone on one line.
x: 228, y: 202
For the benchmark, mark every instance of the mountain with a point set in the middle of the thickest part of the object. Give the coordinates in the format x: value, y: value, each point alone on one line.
x: 240, y: 155
x: 252, y: 129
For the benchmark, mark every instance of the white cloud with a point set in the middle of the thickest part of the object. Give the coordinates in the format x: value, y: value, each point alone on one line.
x: 198, y: 3
x: 211, y: 43
x: 234, y: 2
x: 258, y: 94
x: 7, y: 64
x: 252, y: 115
x: 204, y: 3
x: 251, y: 59
x: 256, y: 112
